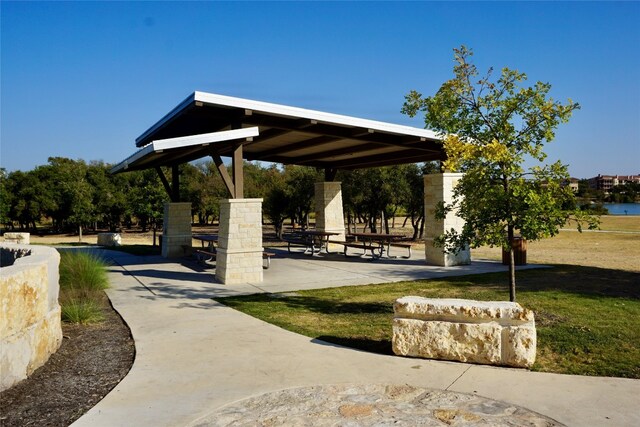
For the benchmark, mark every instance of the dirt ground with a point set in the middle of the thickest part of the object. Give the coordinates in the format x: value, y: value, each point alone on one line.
x: 91, y: 361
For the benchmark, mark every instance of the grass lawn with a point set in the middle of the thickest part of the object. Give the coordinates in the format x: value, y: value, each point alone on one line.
x: 588, y: 319
x: 587, y: 306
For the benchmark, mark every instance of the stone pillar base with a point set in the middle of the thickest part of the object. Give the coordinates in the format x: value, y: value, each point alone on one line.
x: 329, y: 211
x: 176, y: 233
x: 239, y: 255
x: 439, y: 188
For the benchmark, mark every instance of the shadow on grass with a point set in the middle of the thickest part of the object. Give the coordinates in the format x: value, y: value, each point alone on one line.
x: 310, y: 303
x: 588, y: 281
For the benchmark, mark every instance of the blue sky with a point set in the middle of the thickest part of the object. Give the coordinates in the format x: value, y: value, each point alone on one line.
x: 83, y: 80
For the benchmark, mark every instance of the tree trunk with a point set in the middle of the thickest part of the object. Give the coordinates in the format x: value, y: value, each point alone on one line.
x: 512, y: 265
x: 80, y: 233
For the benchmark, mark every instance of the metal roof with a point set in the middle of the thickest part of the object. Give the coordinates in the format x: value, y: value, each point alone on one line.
x: 290, y: 135
x: 165, y: 151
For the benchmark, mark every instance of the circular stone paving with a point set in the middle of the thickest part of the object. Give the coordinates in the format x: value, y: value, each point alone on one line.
x: 372, y: 405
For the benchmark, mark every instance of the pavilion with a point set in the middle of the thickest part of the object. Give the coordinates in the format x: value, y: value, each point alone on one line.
x: 206, y: 124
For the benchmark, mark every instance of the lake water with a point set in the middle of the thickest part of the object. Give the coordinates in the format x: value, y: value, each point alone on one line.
x: 620, y: 208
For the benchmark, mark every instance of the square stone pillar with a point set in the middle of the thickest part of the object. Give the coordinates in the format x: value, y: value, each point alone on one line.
x: 439, y: 188
x: 240, y: 248
x: 329, y: 212
x: 176, y: 230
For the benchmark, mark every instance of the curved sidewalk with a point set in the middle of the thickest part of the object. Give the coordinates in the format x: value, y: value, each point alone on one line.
x: 194, y: 355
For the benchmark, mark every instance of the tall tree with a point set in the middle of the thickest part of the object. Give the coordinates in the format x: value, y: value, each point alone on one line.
x: 489, y: 128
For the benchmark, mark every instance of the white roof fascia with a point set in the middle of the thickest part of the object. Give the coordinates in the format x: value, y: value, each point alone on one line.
x: 284, y: 110
x: 186, y: 141
x: 320, y: 116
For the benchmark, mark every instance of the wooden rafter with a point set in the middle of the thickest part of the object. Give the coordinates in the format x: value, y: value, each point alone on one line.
x: 222, y: 169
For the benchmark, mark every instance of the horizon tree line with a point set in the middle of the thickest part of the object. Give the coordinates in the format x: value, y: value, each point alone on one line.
x: 71, y: 195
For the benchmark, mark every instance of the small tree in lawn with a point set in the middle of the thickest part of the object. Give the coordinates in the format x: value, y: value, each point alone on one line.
x: 490, y: 127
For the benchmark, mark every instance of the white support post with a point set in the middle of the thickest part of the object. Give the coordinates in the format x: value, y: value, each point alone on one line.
x: 439, y: 188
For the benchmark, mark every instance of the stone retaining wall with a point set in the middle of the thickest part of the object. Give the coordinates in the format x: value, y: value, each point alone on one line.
x: 494, y: 333
x: 30, y: 329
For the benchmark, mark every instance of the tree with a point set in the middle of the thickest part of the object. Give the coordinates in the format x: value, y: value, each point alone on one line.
x: 146, y: 198
x: 489, y: 128
x: 413, y: 197
x: 5, y: 199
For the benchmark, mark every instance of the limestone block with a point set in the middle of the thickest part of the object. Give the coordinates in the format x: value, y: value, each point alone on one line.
x: 439, y: 188
x: 497, y: 333
x: 30, y: 328
x: 23, y: 298
x: 109, y: 239
x: 329, y: 210
x: 464, y: 342
x: 239, y: 257
x: 19, y: 238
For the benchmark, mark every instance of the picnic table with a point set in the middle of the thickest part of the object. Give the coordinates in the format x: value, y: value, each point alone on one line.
x: 310, y: 239
x: 209, y: 239
x: 377, y: 243
x: 210, y: 252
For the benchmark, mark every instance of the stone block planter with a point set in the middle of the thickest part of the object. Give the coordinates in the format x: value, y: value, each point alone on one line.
x: 19, y: 238
x: 109, y: 239
x: 493, y: 333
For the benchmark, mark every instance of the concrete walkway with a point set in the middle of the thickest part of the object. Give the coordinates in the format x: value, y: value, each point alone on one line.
x: 194, y: 355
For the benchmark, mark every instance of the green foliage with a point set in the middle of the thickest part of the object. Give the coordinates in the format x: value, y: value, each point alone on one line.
x: 82, y: 311
x: 489, y: 129
x: 83, y: 277
x: 146, y: 197
x: 82, y: 271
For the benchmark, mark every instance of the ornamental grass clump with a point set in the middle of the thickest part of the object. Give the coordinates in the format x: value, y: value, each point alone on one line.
x: 83, y: 277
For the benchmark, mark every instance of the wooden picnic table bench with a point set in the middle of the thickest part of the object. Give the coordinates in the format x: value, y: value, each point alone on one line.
x: 310, y: 239
x: 377, y: 243
x: 203, y: 255
x: 356, y: 245
x: 406, y: 245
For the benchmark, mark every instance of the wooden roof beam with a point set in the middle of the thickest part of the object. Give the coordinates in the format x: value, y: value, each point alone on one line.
x: 313, y: 142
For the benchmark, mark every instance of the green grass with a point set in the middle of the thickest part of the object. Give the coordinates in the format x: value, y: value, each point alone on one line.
x: 82, y: 271
x: 587, y: 318
x: 82, y: 311
x: 83, y: 277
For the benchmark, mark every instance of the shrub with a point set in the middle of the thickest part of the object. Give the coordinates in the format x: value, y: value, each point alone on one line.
x: 83, y: 277
x: 82, y: 271
x: 81, y: 311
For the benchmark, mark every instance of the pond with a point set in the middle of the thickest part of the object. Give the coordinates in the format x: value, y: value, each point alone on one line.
x: 623, y: 208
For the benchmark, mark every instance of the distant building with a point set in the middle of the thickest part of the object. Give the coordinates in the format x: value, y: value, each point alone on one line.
x: 572, y: 183
x: 607, y: 182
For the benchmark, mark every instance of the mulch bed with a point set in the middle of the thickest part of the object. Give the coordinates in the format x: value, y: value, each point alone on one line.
x: 91, y: 361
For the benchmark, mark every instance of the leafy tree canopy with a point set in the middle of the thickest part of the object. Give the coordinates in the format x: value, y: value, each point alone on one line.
x: 490, y: 126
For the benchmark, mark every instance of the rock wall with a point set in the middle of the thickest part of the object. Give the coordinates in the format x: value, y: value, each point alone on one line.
x: 494, y: 333
x: 30, y: 328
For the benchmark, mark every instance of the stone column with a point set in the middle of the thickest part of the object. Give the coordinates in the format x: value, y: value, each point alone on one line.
x: 176, y: 232
x: 329, y: 212
x: 439, y: 188
x: 240, y: 248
